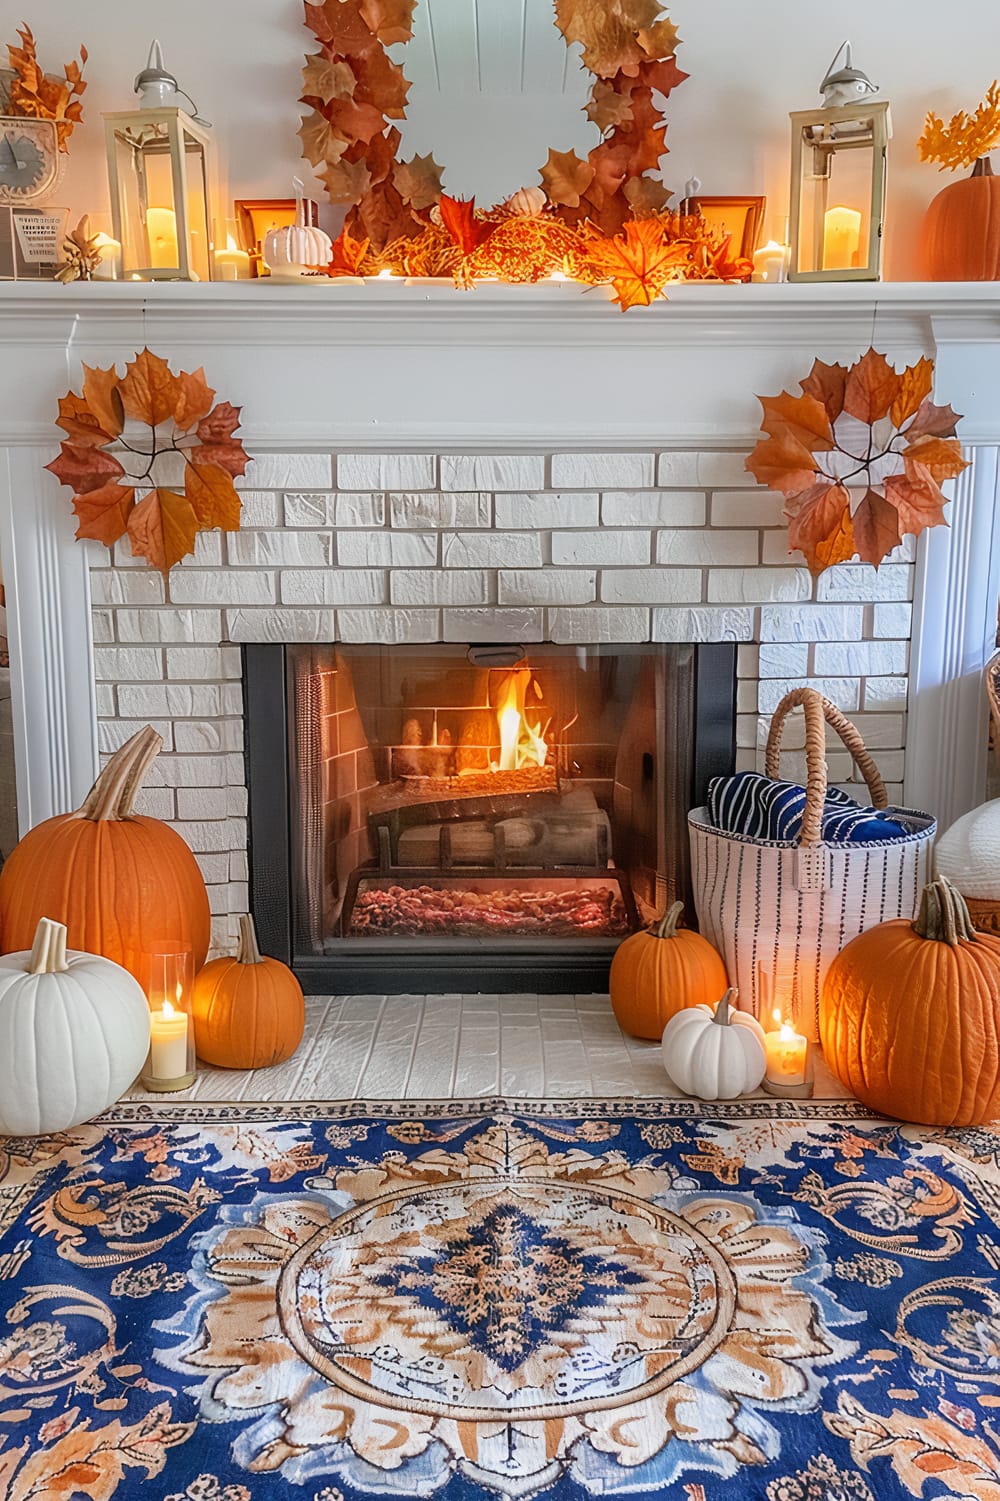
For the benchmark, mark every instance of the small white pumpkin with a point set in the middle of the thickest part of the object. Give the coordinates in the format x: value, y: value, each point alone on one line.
x: 969, y: 853
x: 714, y: 1053
x: 295, y: 250
x: 527, y: 203
x: 74, y: 1034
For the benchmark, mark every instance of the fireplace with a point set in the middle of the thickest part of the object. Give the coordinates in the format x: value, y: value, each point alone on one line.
x: 474, y: 817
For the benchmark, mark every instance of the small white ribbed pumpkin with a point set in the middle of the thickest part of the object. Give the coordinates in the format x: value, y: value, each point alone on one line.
x: 969, y: 853
x: 296, y: 249
x: 74, y: 1034
x: 527, y: 203
x: 714, y: 1053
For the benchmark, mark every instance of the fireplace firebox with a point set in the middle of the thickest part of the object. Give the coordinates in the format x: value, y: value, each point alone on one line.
x: 485, y: 817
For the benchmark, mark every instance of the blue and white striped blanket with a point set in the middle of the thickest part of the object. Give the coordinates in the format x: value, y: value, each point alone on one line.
x: 756, y: 806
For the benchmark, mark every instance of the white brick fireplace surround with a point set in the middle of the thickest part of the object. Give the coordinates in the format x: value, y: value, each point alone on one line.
x: 507, y: 465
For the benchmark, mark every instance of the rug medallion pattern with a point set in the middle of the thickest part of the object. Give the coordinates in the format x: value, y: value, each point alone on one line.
x: 461, y: 1301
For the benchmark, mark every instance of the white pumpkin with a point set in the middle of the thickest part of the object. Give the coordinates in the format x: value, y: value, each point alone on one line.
x: 969, y: 853
x: 714, y: 1053
x: 527, y: 203
x: 294, y: 250
x: 74, y: 1034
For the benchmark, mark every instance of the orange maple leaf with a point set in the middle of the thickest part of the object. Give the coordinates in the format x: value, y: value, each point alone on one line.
x: 148, y: 389
x: 162, y: 528
x: 348, y: 254
x: 458, y: 215
x: 216, y: 443
x: 846, y: 493
x: 638, y: 262
x: 213, y: 497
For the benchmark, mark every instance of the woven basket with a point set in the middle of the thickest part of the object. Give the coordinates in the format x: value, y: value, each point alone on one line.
x: 786, y: 908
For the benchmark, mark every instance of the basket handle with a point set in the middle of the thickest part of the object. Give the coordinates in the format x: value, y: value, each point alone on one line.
x: 820, y: 712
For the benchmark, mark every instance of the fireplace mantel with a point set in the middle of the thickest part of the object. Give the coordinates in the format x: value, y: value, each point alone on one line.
x: 415, y: 369
x: 430, y: 365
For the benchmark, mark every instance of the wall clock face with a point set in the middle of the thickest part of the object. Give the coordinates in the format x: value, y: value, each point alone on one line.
x: 29, y: 159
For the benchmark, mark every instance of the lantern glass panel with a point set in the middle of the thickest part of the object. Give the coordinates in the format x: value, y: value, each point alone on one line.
x: 836, y: 198
x: 152, y: 161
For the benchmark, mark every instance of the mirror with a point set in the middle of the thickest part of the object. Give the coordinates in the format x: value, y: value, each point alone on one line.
x: 493, y: 87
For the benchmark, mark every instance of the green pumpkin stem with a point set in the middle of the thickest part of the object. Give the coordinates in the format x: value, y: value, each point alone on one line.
x: 721, y: 1013
x: 943, y: 914
x: 113, y: 794
x: 48, y: 952
x: 667, y: 926
x: 248, y: 949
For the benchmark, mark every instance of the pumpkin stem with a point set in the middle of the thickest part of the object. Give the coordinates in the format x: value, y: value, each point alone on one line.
x: 721, y: 1013
x: 48, y: 952
x: 983, y: 167
x: 667, y: 926
x: 247, y: 949
x: 113, y: 794
x: 943, y: 914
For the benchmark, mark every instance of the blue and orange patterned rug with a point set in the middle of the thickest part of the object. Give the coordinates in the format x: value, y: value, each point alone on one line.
x: 481, y: 1300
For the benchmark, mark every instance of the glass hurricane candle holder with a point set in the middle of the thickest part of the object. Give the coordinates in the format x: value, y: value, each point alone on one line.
x: 166, y: 973
x: 789, y: 1069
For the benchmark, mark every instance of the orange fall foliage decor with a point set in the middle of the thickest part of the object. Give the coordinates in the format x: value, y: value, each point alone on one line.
x: 248, y: 1011
x: 119, y: 880
x: 34, y: 95
x: 965, y: 138
x: 859, y: 457
x: 104, y: 432
x: 601, y: 218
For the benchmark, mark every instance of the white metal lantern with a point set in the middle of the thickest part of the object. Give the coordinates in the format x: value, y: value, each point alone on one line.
x: 838, y: 179
x: 159, y: 160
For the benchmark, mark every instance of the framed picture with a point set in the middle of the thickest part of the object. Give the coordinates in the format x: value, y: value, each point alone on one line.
x: 31, y: 242
x: 742, y: 218
x: 255, y: 216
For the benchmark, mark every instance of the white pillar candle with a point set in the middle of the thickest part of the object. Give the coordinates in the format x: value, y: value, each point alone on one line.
x: 786, y: 1051
x: 168, y: 1034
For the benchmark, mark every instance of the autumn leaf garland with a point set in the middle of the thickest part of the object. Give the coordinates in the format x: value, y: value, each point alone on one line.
x: 859, y: 457
x: 112, y: 465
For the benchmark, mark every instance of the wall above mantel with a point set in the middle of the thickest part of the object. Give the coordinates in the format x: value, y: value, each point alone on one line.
x: 404, y: 363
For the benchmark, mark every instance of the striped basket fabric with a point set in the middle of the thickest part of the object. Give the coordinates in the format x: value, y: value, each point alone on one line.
x: 782, y: 908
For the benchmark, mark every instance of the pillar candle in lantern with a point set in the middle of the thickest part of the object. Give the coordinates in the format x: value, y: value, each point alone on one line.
x: 168, y: 1032
x: 787, y: 1053
x: 841, y: 238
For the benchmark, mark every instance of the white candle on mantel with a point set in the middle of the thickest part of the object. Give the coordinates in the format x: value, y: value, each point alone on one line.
x: 786, y: 1051
x: 168, y: 1037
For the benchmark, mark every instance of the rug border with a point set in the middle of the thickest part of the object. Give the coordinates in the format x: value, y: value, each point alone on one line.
x: 142, y: 1112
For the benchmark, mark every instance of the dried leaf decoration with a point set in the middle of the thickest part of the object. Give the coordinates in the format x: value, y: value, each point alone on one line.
x: 36, y: 95
x: 966, y: 137
x: 859, y: 457
x: 104, y: 434
x: 639, y: 262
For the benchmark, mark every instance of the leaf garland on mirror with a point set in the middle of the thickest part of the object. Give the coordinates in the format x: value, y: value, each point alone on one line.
x: 354, y: 92
x: 859, y: 457
x: 110, y: 463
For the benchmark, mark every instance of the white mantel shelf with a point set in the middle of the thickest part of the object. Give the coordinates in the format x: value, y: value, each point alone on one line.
x: 404, y: 364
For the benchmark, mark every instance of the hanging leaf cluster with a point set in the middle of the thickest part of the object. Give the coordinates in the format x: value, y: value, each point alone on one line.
x: 859, y: 457
x: 34, y: 95
x: 965, y: 138
x: 122, y: 430
x: 354, y: 93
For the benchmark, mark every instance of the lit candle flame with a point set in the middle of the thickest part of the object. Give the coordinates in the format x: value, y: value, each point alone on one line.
x: 168, y: 1009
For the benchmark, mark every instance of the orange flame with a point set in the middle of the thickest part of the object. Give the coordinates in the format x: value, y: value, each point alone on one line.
x: 521, y: 742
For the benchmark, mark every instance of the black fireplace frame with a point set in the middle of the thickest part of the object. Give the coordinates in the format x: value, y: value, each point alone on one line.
x: 268, y: 717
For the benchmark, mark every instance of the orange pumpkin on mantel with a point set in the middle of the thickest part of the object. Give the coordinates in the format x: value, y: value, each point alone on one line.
x: 249, y: 1011
x: 118, y: 880
x: 660, y: 971
x: 910, y: 1015
x: 960, y: 238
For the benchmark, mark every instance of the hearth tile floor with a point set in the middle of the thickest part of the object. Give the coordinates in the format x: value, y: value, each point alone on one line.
x: 428, y: 1047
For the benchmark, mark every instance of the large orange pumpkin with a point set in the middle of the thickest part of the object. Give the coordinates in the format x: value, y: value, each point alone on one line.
x: 248, y: 1011
x: 120, y: 881
x: 910, y: 1015
x: 960, y: 239
x: 656, y: 973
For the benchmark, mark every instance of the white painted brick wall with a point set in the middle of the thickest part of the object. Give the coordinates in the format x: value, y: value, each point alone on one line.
x: 403, y: 548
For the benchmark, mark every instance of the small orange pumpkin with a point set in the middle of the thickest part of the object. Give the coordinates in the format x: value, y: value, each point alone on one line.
x: 117, y: 879
x: 960, y: 238
x: 910, y: 1015
x: 660, y: 971
x: 249, y: 1011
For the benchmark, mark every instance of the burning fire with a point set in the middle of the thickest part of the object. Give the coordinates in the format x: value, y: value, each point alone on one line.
x: 521, y: 742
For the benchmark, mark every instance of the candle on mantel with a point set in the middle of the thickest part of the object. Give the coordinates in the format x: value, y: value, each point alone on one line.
x: 841, y: 238
x: 161, y: 227
x: 232, y: 263
x: 168, y: 1042
x: 787, y: 1053
x: 770, y: 262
